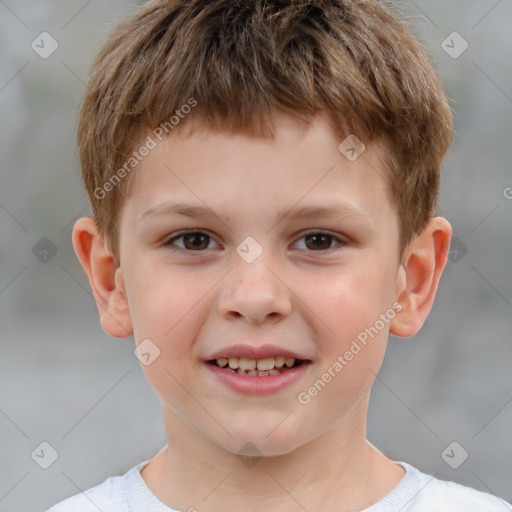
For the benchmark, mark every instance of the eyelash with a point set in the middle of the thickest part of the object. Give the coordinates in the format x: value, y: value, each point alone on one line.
x: 169, y: 242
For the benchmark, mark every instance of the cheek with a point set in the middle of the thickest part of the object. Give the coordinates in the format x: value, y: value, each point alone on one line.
x: 171, y: 373
x: 162, y: 299
x: 165, y: 311
x: 347, y: 301
x: 352, y: 335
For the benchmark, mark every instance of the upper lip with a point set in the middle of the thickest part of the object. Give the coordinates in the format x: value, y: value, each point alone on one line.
x: 254, y: 352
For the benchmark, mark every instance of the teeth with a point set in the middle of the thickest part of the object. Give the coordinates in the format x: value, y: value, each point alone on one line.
x: 279, y: 361
x: 265, y: 364
x: 256, y: 366
x: 248, y: 364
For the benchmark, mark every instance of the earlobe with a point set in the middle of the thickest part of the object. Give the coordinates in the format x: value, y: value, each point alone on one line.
x: 419, y: 276
x: 105, y: 278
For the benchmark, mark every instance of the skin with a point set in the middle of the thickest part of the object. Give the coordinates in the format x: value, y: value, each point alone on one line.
x: 312, y: 296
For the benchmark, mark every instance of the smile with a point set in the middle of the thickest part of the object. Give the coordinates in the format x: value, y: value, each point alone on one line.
x: 257, y: 367
x: 258, y: 376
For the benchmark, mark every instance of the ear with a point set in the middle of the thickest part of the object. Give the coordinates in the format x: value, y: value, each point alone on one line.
x: 419, y: 276
x: 105, y: 277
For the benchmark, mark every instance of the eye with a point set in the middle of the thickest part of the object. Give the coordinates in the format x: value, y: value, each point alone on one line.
x: 192, y: 241
x: 319, y: 241
x: 198, y: 241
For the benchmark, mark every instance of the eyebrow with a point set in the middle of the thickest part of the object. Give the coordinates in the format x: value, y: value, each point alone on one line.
x: 337, y: 210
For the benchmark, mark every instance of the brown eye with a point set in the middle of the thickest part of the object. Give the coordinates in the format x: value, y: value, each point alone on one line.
x: 192, y: 241
x: 318, y: 241
x: 196, y: 241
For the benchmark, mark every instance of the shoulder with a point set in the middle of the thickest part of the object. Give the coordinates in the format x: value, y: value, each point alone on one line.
x: 445, y: 496
x: 450, y: 494
x: 115, y: 494
x: 109, y: 496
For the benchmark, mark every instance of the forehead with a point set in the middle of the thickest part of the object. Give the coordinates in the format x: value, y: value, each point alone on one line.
x: 304, y: 168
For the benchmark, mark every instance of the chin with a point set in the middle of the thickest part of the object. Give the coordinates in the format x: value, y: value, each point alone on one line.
x: 266, y: 441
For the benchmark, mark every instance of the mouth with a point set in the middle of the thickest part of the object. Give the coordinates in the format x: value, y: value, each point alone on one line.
x: 262, y: 376
x: 257, y: 367
x: 265, y: 367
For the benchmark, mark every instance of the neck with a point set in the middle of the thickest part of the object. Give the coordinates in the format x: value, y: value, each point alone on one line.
x: 339, y: 470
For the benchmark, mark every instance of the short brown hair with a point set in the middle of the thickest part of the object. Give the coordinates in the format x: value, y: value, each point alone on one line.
x: 243, y: 61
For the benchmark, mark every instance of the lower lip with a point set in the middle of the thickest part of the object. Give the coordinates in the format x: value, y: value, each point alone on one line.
x: 256, y: 385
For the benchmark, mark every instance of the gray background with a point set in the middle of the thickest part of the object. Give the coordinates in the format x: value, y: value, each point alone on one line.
x: 64, y: 381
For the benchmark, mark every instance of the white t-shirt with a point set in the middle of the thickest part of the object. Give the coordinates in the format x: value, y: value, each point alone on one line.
x: 416, y: 492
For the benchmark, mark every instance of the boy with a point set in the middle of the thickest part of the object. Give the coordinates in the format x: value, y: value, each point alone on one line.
x: 223, y: 144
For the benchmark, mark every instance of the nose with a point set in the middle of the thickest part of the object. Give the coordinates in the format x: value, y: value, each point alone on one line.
x: 254, y: 291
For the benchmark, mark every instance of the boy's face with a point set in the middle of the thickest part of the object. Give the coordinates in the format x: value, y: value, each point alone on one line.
x: 308, y: 295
